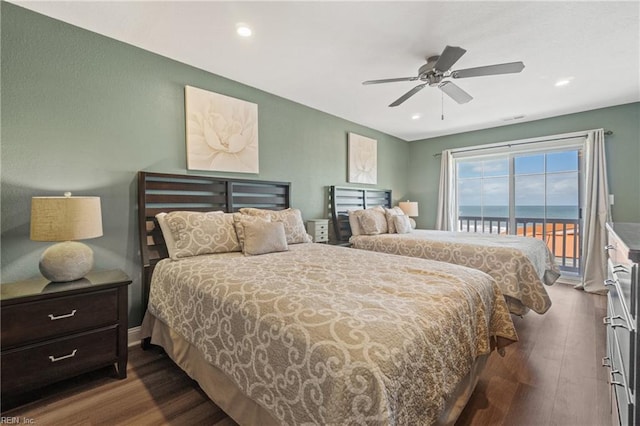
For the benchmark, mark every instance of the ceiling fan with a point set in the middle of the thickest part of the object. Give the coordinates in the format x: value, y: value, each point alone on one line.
x: 438, y: 68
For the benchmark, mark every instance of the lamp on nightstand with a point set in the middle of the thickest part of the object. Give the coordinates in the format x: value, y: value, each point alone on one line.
x: 410, y: 208
x: 65, y: 219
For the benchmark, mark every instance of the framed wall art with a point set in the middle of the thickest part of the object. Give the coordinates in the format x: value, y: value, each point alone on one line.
x: 221, y: 132
x: 363, y: 159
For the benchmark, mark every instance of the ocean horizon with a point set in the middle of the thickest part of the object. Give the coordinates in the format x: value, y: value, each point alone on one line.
x: 538, y: 212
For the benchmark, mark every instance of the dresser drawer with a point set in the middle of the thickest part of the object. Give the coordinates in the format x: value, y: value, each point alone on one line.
x: 33, y: 321
x: 34, y: 365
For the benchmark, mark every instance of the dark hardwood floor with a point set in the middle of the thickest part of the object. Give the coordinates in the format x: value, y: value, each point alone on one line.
x: 552, y: 376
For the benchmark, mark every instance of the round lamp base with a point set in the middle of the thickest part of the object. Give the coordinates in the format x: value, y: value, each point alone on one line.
x: 67, y: 261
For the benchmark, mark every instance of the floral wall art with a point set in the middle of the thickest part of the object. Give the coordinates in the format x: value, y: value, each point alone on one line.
x: 363, y: 159
x: 222, y: 132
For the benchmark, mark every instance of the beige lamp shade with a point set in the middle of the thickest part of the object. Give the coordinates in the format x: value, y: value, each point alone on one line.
x: 410, y: 208
x: 65, y: 218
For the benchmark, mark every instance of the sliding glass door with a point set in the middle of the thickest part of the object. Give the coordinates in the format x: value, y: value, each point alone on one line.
x: 534, y: 193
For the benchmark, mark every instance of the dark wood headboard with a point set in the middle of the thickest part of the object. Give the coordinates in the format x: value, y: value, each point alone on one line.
x: 162, y: 192
x: 342, y: 199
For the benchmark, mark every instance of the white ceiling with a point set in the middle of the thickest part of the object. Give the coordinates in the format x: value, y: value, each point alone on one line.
x: 318, y: 53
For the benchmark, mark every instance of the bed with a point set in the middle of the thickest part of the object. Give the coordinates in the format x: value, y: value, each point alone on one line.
x: 521, y: 266
x: 314, y: 334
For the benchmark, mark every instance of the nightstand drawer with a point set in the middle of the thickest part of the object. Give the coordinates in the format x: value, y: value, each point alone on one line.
x: 319, y: 230
x: 32, y: 366
x: 30, y: 322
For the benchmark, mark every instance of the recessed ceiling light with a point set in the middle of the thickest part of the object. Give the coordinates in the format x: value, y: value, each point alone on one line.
x: 243, y: 30
x: 563, y: 82
x: 416, y: 116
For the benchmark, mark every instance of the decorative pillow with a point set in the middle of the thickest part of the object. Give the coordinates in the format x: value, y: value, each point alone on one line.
x: 264, y: 237
x: 390, y: 213
x: 373, y: 221
x: 290, y: 218
x: 241, y: 220
x: 354, y: 222
x: 196, y: 233
x: 402, y: 223
x: 166, y: 234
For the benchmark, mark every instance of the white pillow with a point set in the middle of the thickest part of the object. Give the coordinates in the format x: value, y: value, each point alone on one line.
x: 402, y: 224
x: 264, y: 237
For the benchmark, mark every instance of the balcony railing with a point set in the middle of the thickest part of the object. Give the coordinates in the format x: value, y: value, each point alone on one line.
x: 561, y: 235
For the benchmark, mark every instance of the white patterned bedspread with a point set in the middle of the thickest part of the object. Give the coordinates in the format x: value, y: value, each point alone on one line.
x: 330, y: 335
x: 520, y: 265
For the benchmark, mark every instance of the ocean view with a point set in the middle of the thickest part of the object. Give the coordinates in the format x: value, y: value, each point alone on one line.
x: 552, y: 212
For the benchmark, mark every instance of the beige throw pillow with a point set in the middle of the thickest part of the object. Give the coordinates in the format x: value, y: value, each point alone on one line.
x: 196, y: 233
x: 389, y: 214
x: 291, y: 219
x: 354, y: 222
x: 373, y: 221
x: 241, y: 220
x: 166, y: 234
x: 264, y: 237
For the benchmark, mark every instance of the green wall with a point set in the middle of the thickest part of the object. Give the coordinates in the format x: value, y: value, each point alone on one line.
x: 622, y: 150
x: 84, y: 113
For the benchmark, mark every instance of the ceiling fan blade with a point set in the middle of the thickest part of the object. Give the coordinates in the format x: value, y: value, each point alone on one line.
x: 390, y: 80
x: 455, y: 92
x: 407, y: 95
x: 509, y: 68
x: 449, y: 56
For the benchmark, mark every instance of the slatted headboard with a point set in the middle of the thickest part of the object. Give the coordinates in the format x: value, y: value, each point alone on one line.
x: 162, y: 192
x: 342, y: 199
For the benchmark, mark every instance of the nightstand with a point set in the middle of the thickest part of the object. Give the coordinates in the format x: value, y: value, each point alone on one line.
x: 319, y: 230
x: 53, y: 331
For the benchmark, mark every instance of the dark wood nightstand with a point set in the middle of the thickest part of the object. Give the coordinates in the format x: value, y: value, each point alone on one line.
x: 53, y: 331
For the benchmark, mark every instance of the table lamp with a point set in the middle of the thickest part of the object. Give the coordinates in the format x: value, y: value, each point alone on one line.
x: 410, y: 208
x: 65, y: 219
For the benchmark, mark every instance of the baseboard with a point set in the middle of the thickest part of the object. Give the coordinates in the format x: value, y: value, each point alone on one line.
x: 134, y: 336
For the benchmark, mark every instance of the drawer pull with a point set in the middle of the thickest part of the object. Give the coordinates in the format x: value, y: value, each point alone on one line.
x: 71, y: 355
x: 613, y: 380
x: 606, y: 361
x: 620, y: 268
x: 609, y: 282
x: 609, y: 247
x: 53, y: 317
x: 625, y: 325
x: 608, y: 320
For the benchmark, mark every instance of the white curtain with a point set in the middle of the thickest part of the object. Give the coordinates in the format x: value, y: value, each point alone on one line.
x: 446, y: 219
x: 597, y: 213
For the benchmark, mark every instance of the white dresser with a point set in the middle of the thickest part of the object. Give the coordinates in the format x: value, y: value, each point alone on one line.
x: 319, y: 230
x: 623, y: 249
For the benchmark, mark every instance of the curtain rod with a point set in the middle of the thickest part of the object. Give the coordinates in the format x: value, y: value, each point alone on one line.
x: 438, y: 154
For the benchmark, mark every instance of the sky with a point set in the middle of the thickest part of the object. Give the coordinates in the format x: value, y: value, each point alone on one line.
x: 486, y: 182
